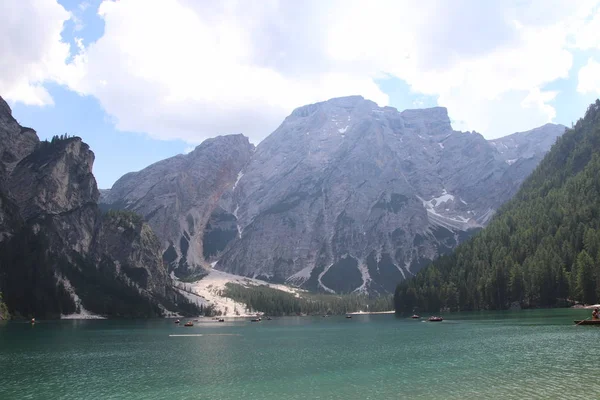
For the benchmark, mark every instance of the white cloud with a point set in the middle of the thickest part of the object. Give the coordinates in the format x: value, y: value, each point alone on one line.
x: 190, y: 70
x: 589, y: 78
x: 31, y: 50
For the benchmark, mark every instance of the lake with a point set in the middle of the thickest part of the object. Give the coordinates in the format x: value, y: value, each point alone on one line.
x: 508, y: 355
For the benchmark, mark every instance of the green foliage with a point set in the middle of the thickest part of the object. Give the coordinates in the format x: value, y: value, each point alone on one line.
x: 175, y: 301
x: 277, y: 302
x: 29, y: 270
x: 29, y: 284
x: 193, y: 309
x: 124, y: 218
x: 104, y: 292
x: 193, y: 277
x: 543, y: 247
x: 3, y: 309
x: 55, y: 142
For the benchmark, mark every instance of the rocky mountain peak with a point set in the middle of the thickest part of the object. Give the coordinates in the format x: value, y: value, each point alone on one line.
x: 348, y: 103
x: 55, y: 178
x: 219, y: 143
x: 15, y: 141
x: 177, y: 196
x: 529, y: 144
x: 5, y: 111
x: 428, y: 121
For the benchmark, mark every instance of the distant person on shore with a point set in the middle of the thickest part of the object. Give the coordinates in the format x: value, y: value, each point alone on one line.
x: 595, y: 314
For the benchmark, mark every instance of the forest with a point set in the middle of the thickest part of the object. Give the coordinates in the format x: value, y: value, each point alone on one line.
x: 31, y: 288
x: 276, y: 302
x: 542, y: 249
x: 3, y: 309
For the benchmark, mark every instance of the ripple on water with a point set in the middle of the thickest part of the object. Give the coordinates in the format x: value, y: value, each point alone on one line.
x: 491, y: 356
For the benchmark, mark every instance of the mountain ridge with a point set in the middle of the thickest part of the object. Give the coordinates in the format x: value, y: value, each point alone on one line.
x: 368, y: 191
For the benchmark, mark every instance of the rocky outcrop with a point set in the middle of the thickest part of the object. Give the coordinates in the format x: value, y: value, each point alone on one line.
x: 59, y: 254
x: 131, y: 243
x: 54, y: 179
x: 343, y: 196
x: 178, y: 196
x: 15, y: 141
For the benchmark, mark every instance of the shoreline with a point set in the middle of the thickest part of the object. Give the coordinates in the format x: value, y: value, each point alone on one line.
x: 582, y: 307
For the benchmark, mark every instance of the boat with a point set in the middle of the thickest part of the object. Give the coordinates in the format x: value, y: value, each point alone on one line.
x: 588, y: 322
x: 435, y: 319
x: 177, y: 321
x: 348, y: 316
x: 256, y: 320
x: 415, y: 316
x: 221, y: 320
x: 189, y: 323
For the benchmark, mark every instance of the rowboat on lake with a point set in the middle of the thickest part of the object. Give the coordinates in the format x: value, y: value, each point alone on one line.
x: 588, y: 322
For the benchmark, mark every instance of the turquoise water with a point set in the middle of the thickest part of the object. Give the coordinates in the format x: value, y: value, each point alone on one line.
x: 508, y: 355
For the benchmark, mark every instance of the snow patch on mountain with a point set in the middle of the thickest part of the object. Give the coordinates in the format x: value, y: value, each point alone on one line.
x: 437, y: 201
x: 239, y: 176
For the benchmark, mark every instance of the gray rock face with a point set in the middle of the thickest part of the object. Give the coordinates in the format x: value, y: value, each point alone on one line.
x: 343, y: 196
x: 525, y: 145
x: 64, y: 180
x: 15, y: 141
x: 130, y: 242
x: 346, y: 196
x: 48, y: 191
x: 177, y: 196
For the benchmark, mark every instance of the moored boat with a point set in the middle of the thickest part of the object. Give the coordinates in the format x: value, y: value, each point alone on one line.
x: 435, y: 319
x: 588, y: 322
x: 177, y: 321
x: 189, y: 323
x: 415, y: 316
x: 348, y: 316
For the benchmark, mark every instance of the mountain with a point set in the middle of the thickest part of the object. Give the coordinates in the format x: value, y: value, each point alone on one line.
x: 179, y: 198
x: 58, y: 253
x: 543, y: 247
x: 364, y: 196
x: 343, y: 196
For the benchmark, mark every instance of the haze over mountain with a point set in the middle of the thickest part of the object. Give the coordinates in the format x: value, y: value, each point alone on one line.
x: 343, y: 196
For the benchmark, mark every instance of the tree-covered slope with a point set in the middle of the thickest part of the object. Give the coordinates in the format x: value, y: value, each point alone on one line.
x: 542, y: 248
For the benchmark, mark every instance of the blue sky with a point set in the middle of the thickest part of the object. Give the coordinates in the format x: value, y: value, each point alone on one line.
x: 143, y: 81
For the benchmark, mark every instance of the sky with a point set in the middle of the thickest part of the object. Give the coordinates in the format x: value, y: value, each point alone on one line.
x: 143, y: 80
